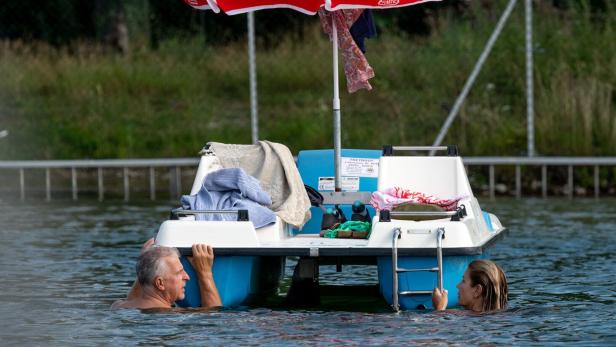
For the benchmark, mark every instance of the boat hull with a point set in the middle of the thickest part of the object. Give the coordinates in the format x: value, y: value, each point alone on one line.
x: 239, y: 279
x: 453, y: 270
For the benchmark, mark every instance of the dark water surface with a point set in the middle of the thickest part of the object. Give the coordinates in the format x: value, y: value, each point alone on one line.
x: 62, y: 266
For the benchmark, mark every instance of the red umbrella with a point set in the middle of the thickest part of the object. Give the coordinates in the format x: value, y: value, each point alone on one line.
x: 232, y: 7
x: 333, y: 5
x: 333, y: 20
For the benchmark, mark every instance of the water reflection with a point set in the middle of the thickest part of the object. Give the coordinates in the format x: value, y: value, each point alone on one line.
x: 62, y: 266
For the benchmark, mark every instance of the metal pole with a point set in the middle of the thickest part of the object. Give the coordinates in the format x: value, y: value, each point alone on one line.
x: 570, y: 181
x: 47, y: 185
x: 152, y: 184
x: 336, y: 108
x: 597, y: 186
x: 254, y: 111
x: 178, y: 182
x: 544, y: 181
x: 471, y: 79
x: 518, y: 182
x: 74, y: 182
x: 491, y: 170
x: 126, y: 184
x: 530, y: 101
x: 172, y: 183
x: 22, y: 185
x: 101, y: 186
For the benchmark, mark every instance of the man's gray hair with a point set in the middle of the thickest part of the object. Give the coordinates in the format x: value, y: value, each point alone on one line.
x: 150, y: 263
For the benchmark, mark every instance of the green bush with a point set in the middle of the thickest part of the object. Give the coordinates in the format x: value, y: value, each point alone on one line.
x: 81, y: 101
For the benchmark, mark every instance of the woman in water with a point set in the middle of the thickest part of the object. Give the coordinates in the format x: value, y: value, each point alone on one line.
x: 482, y: 289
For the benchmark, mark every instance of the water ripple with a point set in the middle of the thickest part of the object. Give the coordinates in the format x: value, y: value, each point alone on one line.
x: 62, y: 266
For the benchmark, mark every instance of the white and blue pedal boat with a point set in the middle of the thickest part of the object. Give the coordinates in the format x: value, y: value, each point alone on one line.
x: 414, y: 251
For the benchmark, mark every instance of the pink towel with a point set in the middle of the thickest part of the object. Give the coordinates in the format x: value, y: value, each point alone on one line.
x: 388, y: 199
x: 356, y: 67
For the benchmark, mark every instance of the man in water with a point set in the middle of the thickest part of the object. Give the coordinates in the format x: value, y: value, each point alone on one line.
x: 161, y: 278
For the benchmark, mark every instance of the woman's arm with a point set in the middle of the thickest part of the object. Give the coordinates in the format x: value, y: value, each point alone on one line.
x: 439, y: 299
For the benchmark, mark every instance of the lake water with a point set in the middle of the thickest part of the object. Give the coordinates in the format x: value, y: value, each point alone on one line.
x: 63, y: 265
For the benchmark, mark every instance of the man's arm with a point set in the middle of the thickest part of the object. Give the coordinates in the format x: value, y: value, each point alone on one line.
x: 202, y: 260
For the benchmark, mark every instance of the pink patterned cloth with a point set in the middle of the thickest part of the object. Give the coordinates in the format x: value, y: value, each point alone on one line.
x: 356, y: 67
x: 388, y: 199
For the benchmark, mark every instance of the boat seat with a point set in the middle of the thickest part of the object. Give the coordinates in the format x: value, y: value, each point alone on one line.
x: 442, y: 177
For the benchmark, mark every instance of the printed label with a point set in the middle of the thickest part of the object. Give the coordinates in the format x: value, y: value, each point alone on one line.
x: 362, y: 167
x: 348, y: 184
x: 388, y: 2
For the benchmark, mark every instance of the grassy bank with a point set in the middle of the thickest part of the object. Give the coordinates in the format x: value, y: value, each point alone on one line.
x: 85, y: 103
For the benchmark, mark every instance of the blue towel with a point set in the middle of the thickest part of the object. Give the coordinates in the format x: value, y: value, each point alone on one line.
x: 231, y: 189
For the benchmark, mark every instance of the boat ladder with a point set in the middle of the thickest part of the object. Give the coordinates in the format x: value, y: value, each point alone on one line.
x: 440, y: 235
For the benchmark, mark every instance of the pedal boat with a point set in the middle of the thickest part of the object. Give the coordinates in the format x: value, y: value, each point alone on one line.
x: 414, y: 251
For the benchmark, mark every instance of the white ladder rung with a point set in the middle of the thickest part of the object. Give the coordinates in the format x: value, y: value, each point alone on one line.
x: 432, y: 269
x: 415, y: 292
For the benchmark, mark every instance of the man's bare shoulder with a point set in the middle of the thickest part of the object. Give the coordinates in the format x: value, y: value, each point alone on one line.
x: 121, y: 304
x: 127, y: 303
x: 139, y: 305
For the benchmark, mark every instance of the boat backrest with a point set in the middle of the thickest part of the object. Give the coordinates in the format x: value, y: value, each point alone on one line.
x: 207, y: 164
x: 359, y: 170
x: 444, y: 177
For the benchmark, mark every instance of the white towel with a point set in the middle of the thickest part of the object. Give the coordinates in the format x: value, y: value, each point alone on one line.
x: 273, y: 165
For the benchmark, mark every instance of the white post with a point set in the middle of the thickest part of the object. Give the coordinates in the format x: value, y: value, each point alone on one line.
x: 254, y: 111
x: 74, y: 182
x: 47, y: 185
x: 101, y: 187
x: 336, y: 108
x: 126, y: 180
x: 530, y: 101
x: 471, y: 79
x: 152, y: 184
x: 22, y: 185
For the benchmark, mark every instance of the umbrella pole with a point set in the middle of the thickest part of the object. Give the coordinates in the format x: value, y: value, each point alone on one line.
x: 254, y: 110
x: 336, y: 107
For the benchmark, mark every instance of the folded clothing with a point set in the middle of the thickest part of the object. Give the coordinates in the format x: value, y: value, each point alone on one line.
x: 388, y: 199
x: 273, y: 165
x: 347, y: 230
x: 231, y: 189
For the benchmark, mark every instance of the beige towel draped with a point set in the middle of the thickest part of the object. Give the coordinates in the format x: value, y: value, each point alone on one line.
x: 273, y: 165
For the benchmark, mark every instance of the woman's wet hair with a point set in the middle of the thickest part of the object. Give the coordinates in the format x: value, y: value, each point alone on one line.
x: 151, y: 264
x: 493, y: 282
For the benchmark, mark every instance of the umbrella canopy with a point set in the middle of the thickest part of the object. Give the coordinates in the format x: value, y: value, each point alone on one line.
x: 232, y: 7
x: 311, y: 7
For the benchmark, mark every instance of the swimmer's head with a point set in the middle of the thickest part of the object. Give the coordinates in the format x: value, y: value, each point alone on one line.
x: 151, y: 263
x: 493, y: 284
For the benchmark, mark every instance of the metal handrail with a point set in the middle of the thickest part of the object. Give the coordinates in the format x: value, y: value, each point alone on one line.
x: 96, y: 163
x: 440, y: 235
x: 242, y: 215
x: 538, y: 161
x: 422, y: 213
x: 394, y: 270
x: 419, y: 148
x: 171, y: 162
x: 187, y: 212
